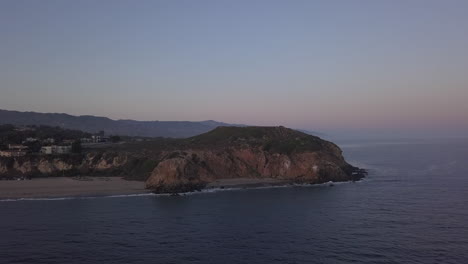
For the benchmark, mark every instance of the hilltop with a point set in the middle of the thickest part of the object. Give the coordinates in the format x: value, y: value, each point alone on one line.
x: 277, y: 139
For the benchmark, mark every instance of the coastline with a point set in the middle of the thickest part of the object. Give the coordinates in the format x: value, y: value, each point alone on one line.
x: 73, y: 187
x: 59, y: 187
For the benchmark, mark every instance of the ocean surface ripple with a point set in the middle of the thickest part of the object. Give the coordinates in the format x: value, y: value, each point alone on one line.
x: 412, y: 208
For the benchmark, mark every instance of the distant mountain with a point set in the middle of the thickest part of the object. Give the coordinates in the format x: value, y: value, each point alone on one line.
x: 93, y: 124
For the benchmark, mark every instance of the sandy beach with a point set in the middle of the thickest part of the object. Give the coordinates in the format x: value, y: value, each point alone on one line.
x: 68, y: 186
x: 245, y: 183
x: 103, y: 186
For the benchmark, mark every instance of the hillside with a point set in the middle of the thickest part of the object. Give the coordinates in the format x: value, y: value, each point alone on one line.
x: 94, y: 124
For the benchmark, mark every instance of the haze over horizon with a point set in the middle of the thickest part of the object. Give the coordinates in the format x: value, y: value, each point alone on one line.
x: 394, y: 67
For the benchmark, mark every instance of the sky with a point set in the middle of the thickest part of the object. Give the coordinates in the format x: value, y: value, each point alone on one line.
x: 395, y: 67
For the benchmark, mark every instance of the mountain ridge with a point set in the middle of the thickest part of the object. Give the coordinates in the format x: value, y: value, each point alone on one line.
x: 122, y: 127
x: 125, y: 127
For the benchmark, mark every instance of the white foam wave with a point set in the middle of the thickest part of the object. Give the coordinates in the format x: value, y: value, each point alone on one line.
x: 300, y: 185
x: 38, y: 199
x: 79, y: 197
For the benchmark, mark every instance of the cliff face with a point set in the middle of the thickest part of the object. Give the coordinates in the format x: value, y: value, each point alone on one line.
x: 40, y: 165
x: 278, y: 153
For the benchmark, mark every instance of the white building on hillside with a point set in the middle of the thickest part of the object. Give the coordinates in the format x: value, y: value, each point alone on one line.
x: 17, y: 147
x: 12, y: 153
x: 48, y: 150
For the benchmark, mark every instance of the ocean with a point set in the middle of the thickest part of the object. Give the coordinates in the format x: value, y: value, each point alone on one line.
x: 412, y: 208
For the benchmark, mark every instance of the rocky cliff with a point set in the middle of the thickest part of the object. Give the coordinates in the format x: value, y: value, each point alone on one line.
x: 251, y: 152
x: 190, y: 164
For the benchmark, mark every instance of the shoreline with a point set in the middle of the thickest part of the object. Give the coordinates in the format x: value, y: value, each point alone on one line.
x: 245, y: 183
x: 86, y: 187
x: 58, y: 187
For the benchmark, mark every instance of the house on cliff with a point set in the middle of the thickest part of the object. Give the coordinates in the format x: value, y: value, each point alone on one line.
x: 17, y: 147
x: 12, y: 153
x: 49, y: 150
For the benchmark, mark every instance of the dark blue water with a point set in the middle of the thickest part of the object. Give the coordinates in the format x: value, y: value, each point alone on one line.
x: 412, y: 208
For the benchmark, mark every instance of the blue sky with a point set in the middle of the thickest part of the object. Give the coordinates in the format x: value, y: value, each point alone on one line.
x: 372, y: 66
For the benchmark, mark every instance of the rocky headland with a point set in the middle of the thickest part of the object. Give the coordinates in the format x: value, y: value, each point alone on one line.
x: 268, y: 154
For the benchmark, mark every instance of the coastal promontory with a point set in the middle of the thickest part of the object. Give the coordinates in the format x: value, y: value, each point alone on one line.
x: 276, y: 153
